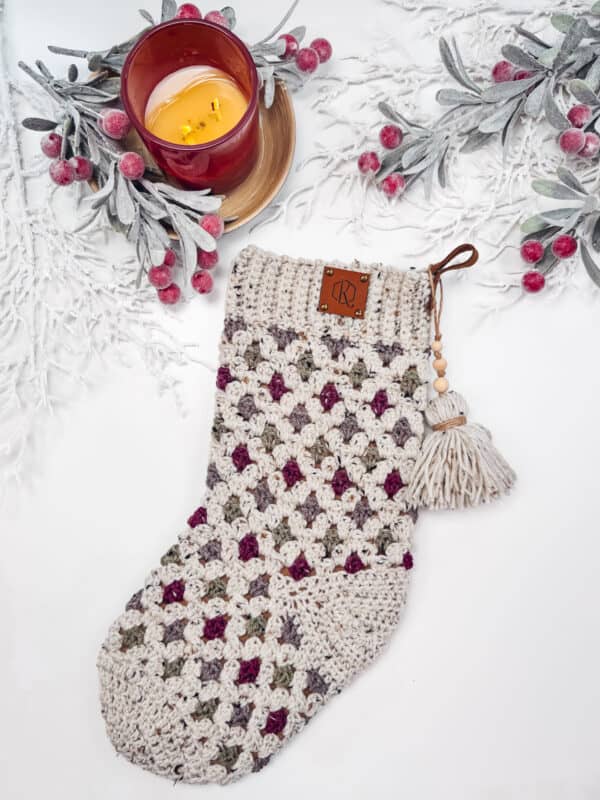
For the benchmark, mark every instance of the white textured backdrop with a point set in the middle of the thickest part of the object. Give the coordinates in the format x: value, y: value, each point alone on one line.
x: 490, y: 687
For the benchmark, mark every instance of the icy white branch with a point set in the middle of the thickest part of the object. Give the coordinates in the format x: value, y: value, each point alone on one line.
x: 66, y: 308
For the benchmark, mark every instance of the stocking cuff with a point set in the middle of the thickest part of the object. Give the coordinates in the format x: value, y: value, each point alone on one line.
x: 270, y: 289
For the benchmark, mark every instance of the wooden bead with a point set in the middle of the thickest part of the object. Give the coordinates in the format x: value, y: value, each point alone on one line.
x: 440, y: 385
x: 440, y: 364
x: 437, y: 345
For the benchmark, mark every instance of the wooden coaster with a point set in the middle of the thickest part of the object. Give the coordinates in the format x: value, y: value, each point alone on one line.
x: 277, y: 143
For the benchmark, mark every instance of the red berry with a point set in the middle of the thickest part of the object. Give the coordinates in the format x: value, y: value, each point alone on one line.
x: 390, y: 136
x: 564, y: 246
x: 84, y: 169
x: 307, y: 59
x: 169, y: 295
x: 368, y: 163
x: 393, y: 184
x: 572, y: 140
x: 51, y: 145
x: 291, y: 45
x: 579, y: 115
x: 532, y: 251
x: 522, y: 74
x: 202, y: 282
x: 591, y: 146
x: 115, y: 123
x: 323, y: 49
x: 160, y: 277
x: 132, y: 166
x: 217, y: 18
x: 62, y: 172
x: 207, y: 259
x: 503, y: 71
x: 213, y: 224
x: 169, y: 259
x: 533, y: 281
x: 188, y: 11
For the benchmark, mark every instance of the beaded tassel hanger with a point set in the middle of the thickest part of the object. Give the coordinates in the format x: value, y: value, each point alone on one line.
x: 459, y: 465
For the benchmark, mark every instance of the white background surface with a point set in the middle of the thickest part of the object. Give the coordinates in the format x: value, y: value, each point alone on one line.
x: 490, y: 686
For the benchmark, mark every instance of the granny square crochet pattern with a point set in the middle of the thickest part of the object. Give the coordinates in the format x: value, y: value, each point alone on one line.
x: 292, y: 575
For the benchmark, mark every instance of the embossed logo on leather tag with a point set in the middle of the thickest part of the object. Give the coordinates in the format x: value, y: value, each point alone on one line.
x: 344, y: 292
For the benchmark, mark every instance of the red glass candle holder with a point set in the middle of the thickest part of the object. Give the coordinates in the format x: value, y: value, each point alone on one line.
x: 224, y: 162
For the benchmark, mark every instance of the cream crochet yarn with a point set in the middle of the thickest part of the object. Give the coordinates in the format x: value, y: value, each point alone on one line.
x: 292, y: 575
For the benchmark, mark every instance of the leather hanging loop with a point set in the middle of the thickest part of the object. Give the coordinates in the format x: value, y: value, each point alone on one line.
x: 446, y: 265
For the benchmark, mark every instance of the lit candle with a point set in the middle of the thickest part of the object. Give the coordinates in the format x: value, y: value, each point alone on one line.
x: 200, y: 123
x: 195, y: 105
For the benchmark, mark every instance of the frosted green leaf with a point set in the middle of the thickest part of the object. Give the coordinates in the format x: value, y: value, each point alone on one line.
x: 518, y: 56
x: 452, y: 97
x: 554, y: 189
x: 535, y: 100
x: 582, y: 92
x: 552, y: 112
x: 501, y: 117
x: 505, y: 91
x: 566, y: 176
x: 590, y: 265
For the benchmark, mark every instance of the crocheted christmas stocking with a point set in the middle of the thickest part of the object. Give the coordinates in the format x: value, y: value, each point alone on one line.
x: 291, y: 577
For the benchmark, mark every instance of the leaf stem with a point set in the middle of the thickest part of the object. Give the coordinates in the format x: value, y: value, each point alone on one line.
x: 67, y: 51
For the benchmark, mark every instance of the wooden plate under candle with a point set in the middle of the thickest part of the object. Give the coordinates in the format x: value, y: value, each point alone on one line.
x: 277, y: 143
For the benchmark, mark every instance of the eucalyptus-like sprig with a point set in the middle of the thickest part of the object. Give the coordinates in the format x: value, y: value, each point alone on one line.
x: 144, y: 210
x: 268, y: 55
x: 580, y: 219
x: 476, y: 113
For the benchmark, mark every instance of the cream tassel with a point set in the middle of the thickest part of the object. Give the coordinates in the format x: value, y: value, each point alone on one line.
x: 458, y: 466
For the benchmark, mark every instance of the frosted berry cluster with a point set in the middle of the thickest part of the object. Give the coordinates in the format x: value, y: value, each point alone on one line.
x: 161, y: 276
x: 307, y: 58
x: 533, y: 252
x: 369, y: 162
x: 578, y: 140
x: 191, y: 11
